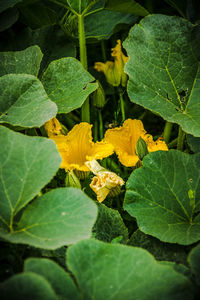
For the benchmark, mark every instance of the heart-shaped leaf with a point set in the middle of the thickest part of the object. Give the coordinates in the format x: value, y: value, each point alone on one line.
x: 68, y: 84
x: 114, y: 271
x: 26, y: 165
x: 60, y: 217
x: 21, y: 62
x: 164, y: 196
x: 24, y: 102
x: 163, y: 69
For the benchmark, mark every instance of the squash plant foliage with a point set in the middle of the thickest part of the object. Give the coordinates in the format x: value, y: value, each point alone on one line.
x: 99, y: 149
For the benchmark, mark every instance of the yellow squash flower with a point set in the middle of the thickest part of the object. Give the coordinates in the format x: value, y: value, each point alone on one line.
x: 77, y: 147
x: 105, y: 182
x: 124, y: 140
x: 114, y: 71
x: 53, y: 127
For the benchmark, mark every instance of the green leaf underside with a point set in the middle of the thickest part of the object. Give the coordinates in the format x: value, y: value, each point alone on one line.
x: 127, y: 6
x: 194, y: 262
x: 26, y: 165
x: 194, y: 143
x: 114, y: 271
x: 101, y: 25
x: 4, y: 4
x: 24, y: 102
x: 80, y: 5
x: 159, y: 196
x: 68, y: 84
x: 61, y: 217
x: 21, y: 62
x: 109, y: 225
x: 164, y: 70
x: 27, y: 286
x: 60, y: 281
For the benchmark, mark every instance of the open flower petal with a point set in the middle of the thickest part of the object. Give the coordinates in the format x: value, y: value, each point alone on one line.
x: 124, y: 140
x: 77, y: 147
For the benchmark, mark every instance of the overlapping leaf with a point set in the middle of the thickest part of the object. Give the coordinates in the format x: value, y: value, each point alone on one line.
x: 163, y: 69
x: 61, y: 281
x: 21, y: 62
x: 4, y: 4
x: 128, y: 6
x: 68, y: 84
x: 114, y: 271
x: 24, y: 102
x: 26, y: 165
x: 164, y: 196
x: 60, y: 217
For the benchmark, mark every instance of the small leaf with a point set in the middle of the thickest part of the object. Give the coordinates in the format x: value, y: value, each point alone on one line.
x: 114, y: 271
x: 60, y: 217
x: 24, y: 102
x: 60, y: 281
x: 158, y: 196
x: 164, y: 70
x: 21, y: 62
x: 27, y: 286
x: 68, y: 84
x: 109, y: 225
x: 26, y: 165
x: 4, y: 4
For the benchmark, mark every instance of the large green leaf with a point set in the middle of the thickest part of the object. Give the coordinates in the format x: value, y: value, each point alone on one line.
x: 194, y: 262
x: 61, y: 281
x: 26, y: 165
x: 164, y: 70
x: 109, y: 225
x: 4, y: 4
x: 24, y: 102
x: 68, y: 84
x: 164, y: 196
x: 127, y: 6
x: 8, y: 18
x: 21, y: 62
x: 26, y: 286
x: 114, y: 271
x: 60, y: 217
x: 101, y: 24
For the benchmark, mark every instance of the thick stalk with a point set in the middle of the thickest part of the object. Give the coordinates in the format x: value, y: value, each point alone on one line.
x: 85, y: 109
x: 122, y: 106
x: 167, y: 131
x: 100, y: 124
x: 181, y: 137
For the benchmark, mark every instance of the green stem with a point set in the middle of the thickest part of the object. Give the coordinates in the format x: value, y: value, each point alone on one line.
x: 85, y: 109
x: 122, y: 106
x: 181, y: 137
x: 93, y: 11
x: 100, y: 125
x: 167, y: 131
x: 11, y: 223
x: 173, y: 143
x: 95, y: 127
x: 103, y: 50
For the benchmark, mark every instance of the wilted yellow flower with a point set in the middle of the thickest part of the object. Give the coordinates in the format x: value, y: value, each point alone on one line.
x: 124, y: 140
x: 77, y: 147
x: 114, y: 71
x: 105, y: 183
x: 53, y: 127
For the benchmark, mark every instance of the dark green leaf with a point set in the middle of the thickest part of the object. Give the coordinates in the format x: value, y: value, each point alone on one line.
x: 68, y: 84
x: 8, y: 18
x: 26, y: 165
x: 194, y: 261
x: 60, y: 281
x: 126, y: 6
x: 114, y: 271
x: 4, y: 4
x: 194, y: 143
x: 60, y: 217
x: 164, y: 71
x: 164, y: 196
x: 24, y: 102
x: 21, y: 62
x: 26, y: 286
x: 109, y: 225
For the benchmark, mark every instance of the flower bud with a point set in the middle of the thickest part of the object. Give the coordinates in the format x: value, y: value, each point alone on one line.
x: 98, y: 97
x: 141, y: 148
x: 72, y: 180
